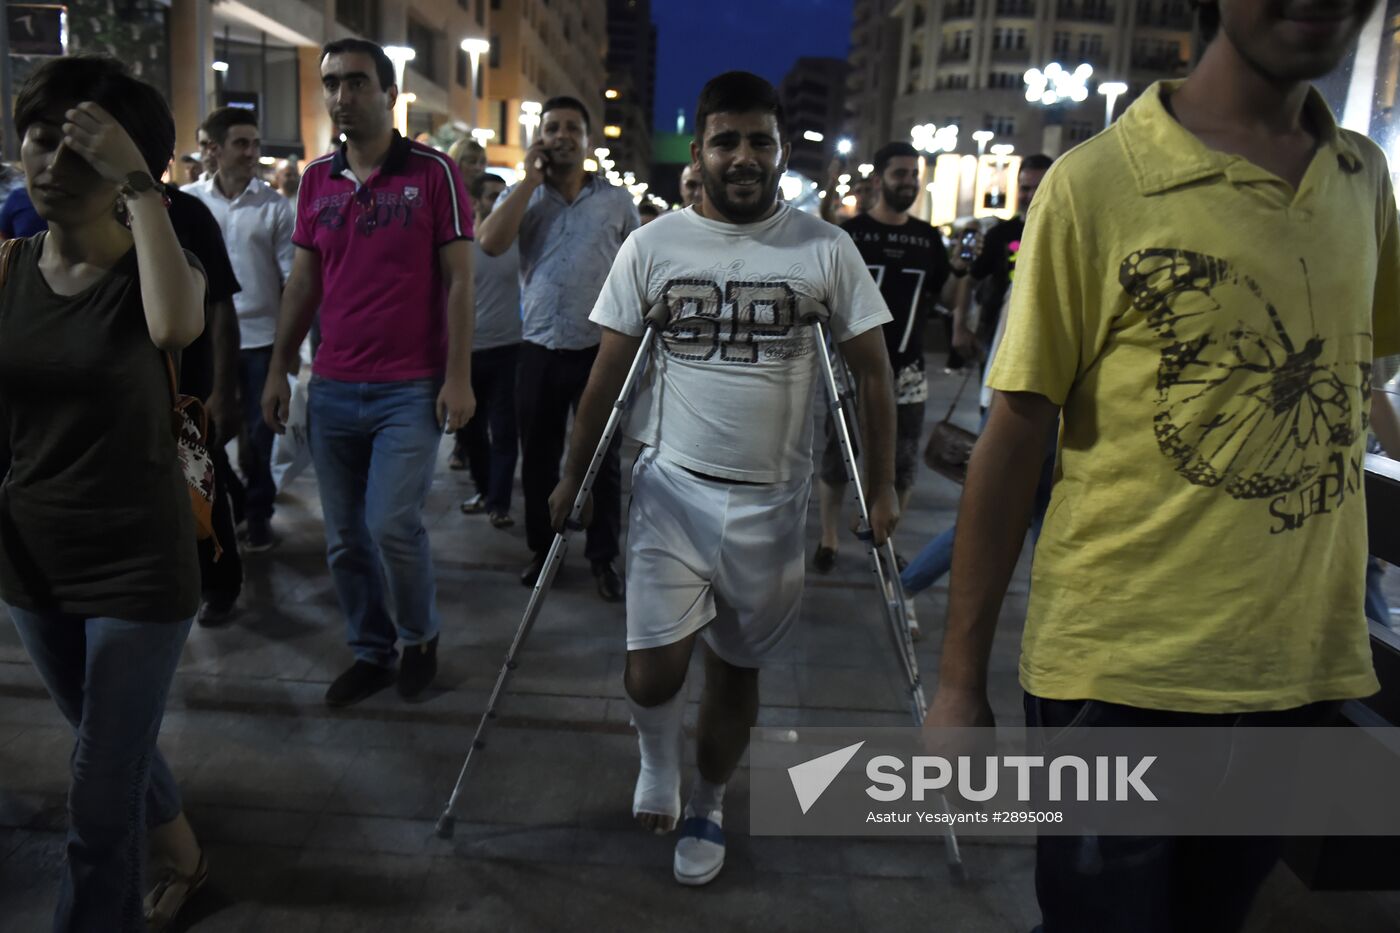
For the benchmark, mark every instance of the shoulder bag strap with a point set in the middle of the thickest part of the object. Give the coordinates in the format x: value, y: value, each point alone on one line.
x: 958, y: 398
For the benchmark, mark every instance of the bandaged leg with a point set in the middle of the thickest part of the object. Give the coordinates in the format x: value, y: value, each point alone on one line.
x: 660, y: 737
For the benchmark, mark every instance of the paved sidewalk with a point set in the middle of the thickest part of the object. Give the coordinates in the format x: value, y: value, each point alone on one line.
x: 320, y: 820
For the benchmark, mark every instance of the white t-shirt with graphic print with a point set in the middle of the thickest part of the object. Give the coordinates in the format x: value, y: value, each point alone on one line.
x: 729, y: 391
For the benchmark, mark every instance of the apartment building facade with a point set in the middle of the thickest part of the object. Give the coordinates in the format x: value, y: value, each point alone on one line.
x: 964, y: 62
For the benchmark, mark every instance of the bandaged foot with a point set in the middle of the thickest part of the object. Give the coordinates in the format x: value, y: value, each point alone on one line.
x: 656, y: 802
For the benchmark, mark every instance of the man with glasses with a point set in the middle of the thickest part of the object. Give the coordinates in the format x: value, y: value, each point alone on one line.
x: 382, y: 236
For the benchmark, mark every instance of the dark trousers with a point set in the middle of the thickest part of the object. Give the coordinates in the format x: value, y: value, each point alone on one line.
x: 490, y: 438
x: 1151, y: 884
x: 221, y: 580
x: 549, y: 384
x: 257, y: 459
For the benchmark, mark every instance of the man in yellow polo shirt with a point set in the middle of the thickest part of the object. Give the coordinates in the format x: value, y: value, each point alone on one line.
x: 1202, y: 292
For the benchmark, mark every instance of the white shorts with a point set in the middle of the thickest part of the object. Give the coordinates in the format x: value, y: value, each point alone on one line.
x: 725, y: 557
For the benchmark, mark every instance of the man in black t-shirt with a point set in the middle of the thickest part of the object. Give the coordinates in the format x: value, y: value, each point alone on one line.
x: 206, y: 372
x: 995, y: 264
x: 909, y: 261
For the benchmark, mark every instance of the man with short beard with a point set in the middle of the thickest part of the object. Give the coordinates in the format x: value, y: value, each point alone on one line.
x: 909, y: 261
x: 720, y: 490
x: 1200, y: 298
x: 570, y: 224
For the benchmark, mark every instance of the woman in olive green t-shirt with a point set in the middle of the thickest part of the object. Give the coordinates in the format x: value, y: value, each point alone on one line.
x: 97, y: 545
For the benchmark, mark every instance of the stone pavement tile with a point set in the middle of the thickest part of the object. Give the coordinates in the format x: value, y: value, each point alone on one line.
x: 532, y: 777
x: 386, y: 887
x: 897, y: 907
x: 232, y: 826
x: 372, y: 834
x: 239, y: 774
x: 621, y: 899
x: 403, y: 782
x: 36, y: 761
x: 472, y: 843
x: 29, y: 883
x: 877, y: 687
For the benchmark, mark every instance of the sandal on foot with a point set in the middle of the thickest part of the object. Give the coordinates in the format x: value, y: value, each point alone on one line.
x: 501, y: 520
x: 474, y: 506
x: 172, y: 893
x: 700, y: 849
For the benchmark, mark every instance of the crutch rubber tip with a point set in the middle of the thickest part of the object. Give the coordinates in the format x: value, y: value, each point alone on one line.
x: 479, y: 744
x: 958, y: 872
x: 446, y: 826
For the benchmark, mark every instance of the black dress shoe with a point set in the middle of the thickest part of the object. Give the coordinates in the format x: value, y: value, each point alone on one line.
x: 824, y: 559
x: 609, y: 583
x: 417, y: 669
x: 361, y: 681
x: 532, y: 571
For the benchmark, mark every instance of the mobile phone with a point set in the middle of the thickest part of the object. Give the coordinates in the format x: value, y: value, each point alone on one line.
x: 967, y: 250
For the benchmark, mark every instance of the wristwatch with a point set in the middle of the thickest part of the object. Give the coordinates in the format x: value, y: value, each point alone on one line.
x: 137, y: 184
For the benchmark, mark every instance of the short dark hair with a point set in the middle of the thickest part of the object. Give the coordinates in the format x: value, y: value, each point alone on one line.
x: 1037, y: 163
x: 62, y: 83
x: 737, y: 92
x: 383, y: 65
x: 563, y: 102
x: 894, y: 150
x: 648, y: 209
x: 478, y: 184
x: 220, y: 121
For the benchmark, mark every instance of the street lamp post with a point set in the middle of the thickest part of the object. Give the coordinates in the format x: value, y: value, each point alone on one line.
x: 1052, y: 88
x: 1111, y: 90
x: 475, y: 48
x: 530, y: 111
x: 400, y: 55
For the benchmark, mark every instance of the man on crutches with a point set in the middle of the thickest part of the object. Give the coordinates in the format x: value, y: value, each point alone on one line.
x: 720, y: 490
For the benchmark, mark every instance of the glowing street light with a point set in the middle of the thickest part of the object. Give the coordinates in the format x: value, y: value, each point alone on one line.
x: 865, y: 168
x: 530, y: 111
x: 1002, y: 150
x: 812, y: 136
x: 982, y: 137
x: 1111, y: 90
x: 400, y: 55
x: 475, y: 48
x: 483, y: 135
x: 1056, y: 84
x: 843, y: 147
x: 930, y: 138
x: 220, y: 67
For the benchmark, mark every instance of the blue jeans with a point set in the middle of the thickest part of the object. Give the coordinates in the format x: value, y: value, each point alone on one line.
x: 375, y: 445
x: 256, y: 461
x: 1150, y: 884
x: 109, y: 678
x: 493, y: 444
x: 1376, y: 606
x: 933, y: 563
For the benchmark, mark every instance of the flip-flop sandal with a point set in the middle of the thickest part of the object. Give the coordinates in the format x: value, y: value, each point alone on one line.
x: 501, y: 520
x: 699, y: 850
x: 172, y: 893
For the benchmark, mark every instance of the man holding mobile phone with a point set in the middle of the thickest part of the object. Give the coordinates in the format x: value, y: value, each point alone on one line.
x: 570, y: 225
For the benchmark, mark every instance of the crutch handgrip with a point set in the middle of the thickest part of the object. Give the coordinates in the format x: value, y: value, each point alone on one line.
x: 573, y: 525
x: 659, y: 315
x: 812, y: 311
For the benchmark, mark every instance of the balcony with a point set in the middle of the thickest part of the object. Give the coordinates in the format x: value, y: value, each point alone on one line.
x: 1157, y: 62
x: 1013, y: 56
x: 1176, y: 20
x: 962, y: 10
x: 1016, y: 8
x: 1085, y: 12
x: 954, y: 55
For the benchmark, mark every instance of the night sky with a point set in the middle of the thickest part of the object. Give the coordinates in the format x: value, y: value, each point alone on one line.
x: 698, y: 39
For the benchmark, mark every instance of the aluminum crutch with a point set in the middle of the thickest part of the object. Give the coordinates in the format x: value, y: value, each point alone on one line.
x: 891, y: 592
x: 656, y: 320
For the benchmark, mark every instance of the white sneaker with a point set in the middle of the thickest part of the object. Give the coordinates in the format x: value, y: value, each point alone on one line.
x: 700, y: 850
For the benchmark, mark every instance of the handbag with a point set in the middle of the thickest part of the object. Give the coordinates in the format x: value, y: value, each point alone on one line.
x: 950, y: 446
x: 190, y: 423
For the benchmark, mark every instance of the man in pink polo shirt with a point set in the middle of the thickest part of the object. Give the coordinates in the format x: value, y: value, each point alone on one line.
x: 382, y: 236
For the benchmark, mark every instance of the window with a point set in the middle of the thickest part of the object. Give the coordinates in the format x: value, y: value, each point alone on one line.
x: 999, y: 124
x: 496, y: 53
x: 1076, y: 131
x: 425, y: 42
x: 1059, y: 44
x: 360, y: 16
x: 463, y: 68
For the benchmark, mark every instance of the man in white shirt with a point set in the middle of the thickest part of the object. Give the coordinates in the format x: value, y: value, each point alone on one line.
x: 257, y: 225
x: 720, y: 490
